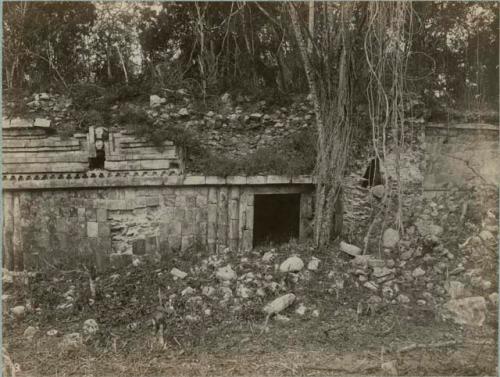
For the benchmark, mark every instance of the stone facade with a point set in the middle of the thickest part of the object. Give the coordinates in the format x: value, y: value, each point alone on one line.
x: 461, y: 154
x: 45, y: 227
x: 59, y: 214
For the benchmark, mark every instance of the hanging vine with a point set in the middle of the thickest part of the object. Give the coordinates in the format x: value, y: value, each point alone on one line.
x: 328, y: 66
x: 387, y: 49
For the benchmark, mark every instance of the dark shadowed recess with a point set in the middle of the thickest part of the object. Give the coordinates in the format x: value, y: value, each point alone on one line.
x: 276, y: 218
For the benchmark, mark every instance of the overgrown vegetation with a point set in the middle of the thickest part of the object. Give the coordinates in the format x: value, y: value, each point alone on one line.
x: 296, y: 154
x: 208, y: 48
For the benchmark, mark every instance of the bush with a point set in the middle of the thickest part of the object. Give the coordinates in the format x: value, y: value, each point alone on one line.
x: 297, y: 155
x: 86, y: 96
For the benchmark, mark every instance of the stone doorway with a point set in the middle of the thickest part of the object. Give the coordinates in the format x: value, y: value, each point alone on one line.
x: 276, y: 218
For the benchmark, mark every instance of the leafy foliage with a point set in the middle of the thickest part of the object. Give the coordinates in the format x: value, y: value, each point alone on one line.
x: 209, y: 48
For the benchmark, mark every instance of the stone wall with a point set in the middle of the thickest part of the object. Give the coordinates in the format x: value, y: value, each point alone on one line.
x: 461, y: 154
x: 60, y: 227
x: 103, y: 197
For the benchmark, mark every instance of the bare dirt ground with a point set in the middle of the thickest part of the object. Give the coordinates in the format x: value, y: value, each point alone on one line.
x: 472, y: 357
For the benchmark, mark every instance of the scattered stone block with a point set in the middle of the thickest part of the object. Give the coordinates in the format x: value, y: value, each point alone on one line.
x: 350, y: 249
x: 90, y: 327
x: 268, y: 256
x: 279, y: 304
x: 30, y: 332
x: 155, y: 101
x: 494, y: 298
x: 184, y: 112
x: 292, y: 264
x: 178, y: 273
x: 390, y: 238
x: 371, y: 286
x: 313, y: 265
x: 468, y: 311
x: 378, y: 191
x: 417, y: 272
x: 225, y: 273
x: 42, y: 122
x: 19, y: 312
x: 487, y: 236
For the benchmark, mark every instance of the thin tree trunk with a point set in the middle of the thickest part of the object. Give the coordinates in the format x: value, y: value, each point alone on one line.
x: 311, y: 25
x: 122, y: 63
x: 331, y: 96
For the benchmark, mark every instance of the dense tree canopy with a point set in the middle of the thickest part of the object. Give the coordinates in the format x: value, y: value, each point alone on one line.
x: 211, y: 47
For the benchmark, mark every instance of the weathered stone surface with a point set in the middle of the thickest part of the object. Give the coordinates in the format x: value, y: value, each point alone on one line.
x: 208, y: 291
x: 243, y: 291
x: 313, y: 264
x: 183, y: 112
x: 52, y: 332
x: 378, y: 191
x: 371, y: 286
x: 405, y: 255
x: 403, y: 299
x: 71, y: 342
x: 155, y: 101
x: 292, y: 264
x: 428, y: 229
x: 468, y: 311
x: 188, y: 291
x: 42, y: 122
x: 380, y: 272
x: 390, y: 238
x: 178, y: 273
x: 301, y: 310
x: 349, y: 249
x: 389, y: 368
x: 360, y: 261
x: 455, y: 289
x: 374, y: 262
x: 279, y: 304
x: 486, y: 236
x: 19, y: 311
x: 90, y: 327
x: 30, y: 332
x: 494, y: 298
x: 225, y: 273
x: 269, y: 256
x: 417, y: 272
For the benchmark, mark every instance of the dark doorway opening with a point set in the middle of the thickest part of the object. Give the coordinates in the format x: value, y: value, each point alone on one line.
x: 98, y: 161
x: 276, y: 218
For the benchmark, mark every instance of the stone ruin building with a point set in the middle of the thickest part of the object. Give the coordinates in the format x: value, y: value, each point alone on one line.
x: 103, y: 197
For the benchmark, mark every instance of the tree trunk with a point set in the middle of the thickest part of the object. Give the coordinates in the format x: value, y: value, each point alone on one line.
x: 332, y: 112
x: 122, y: 63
